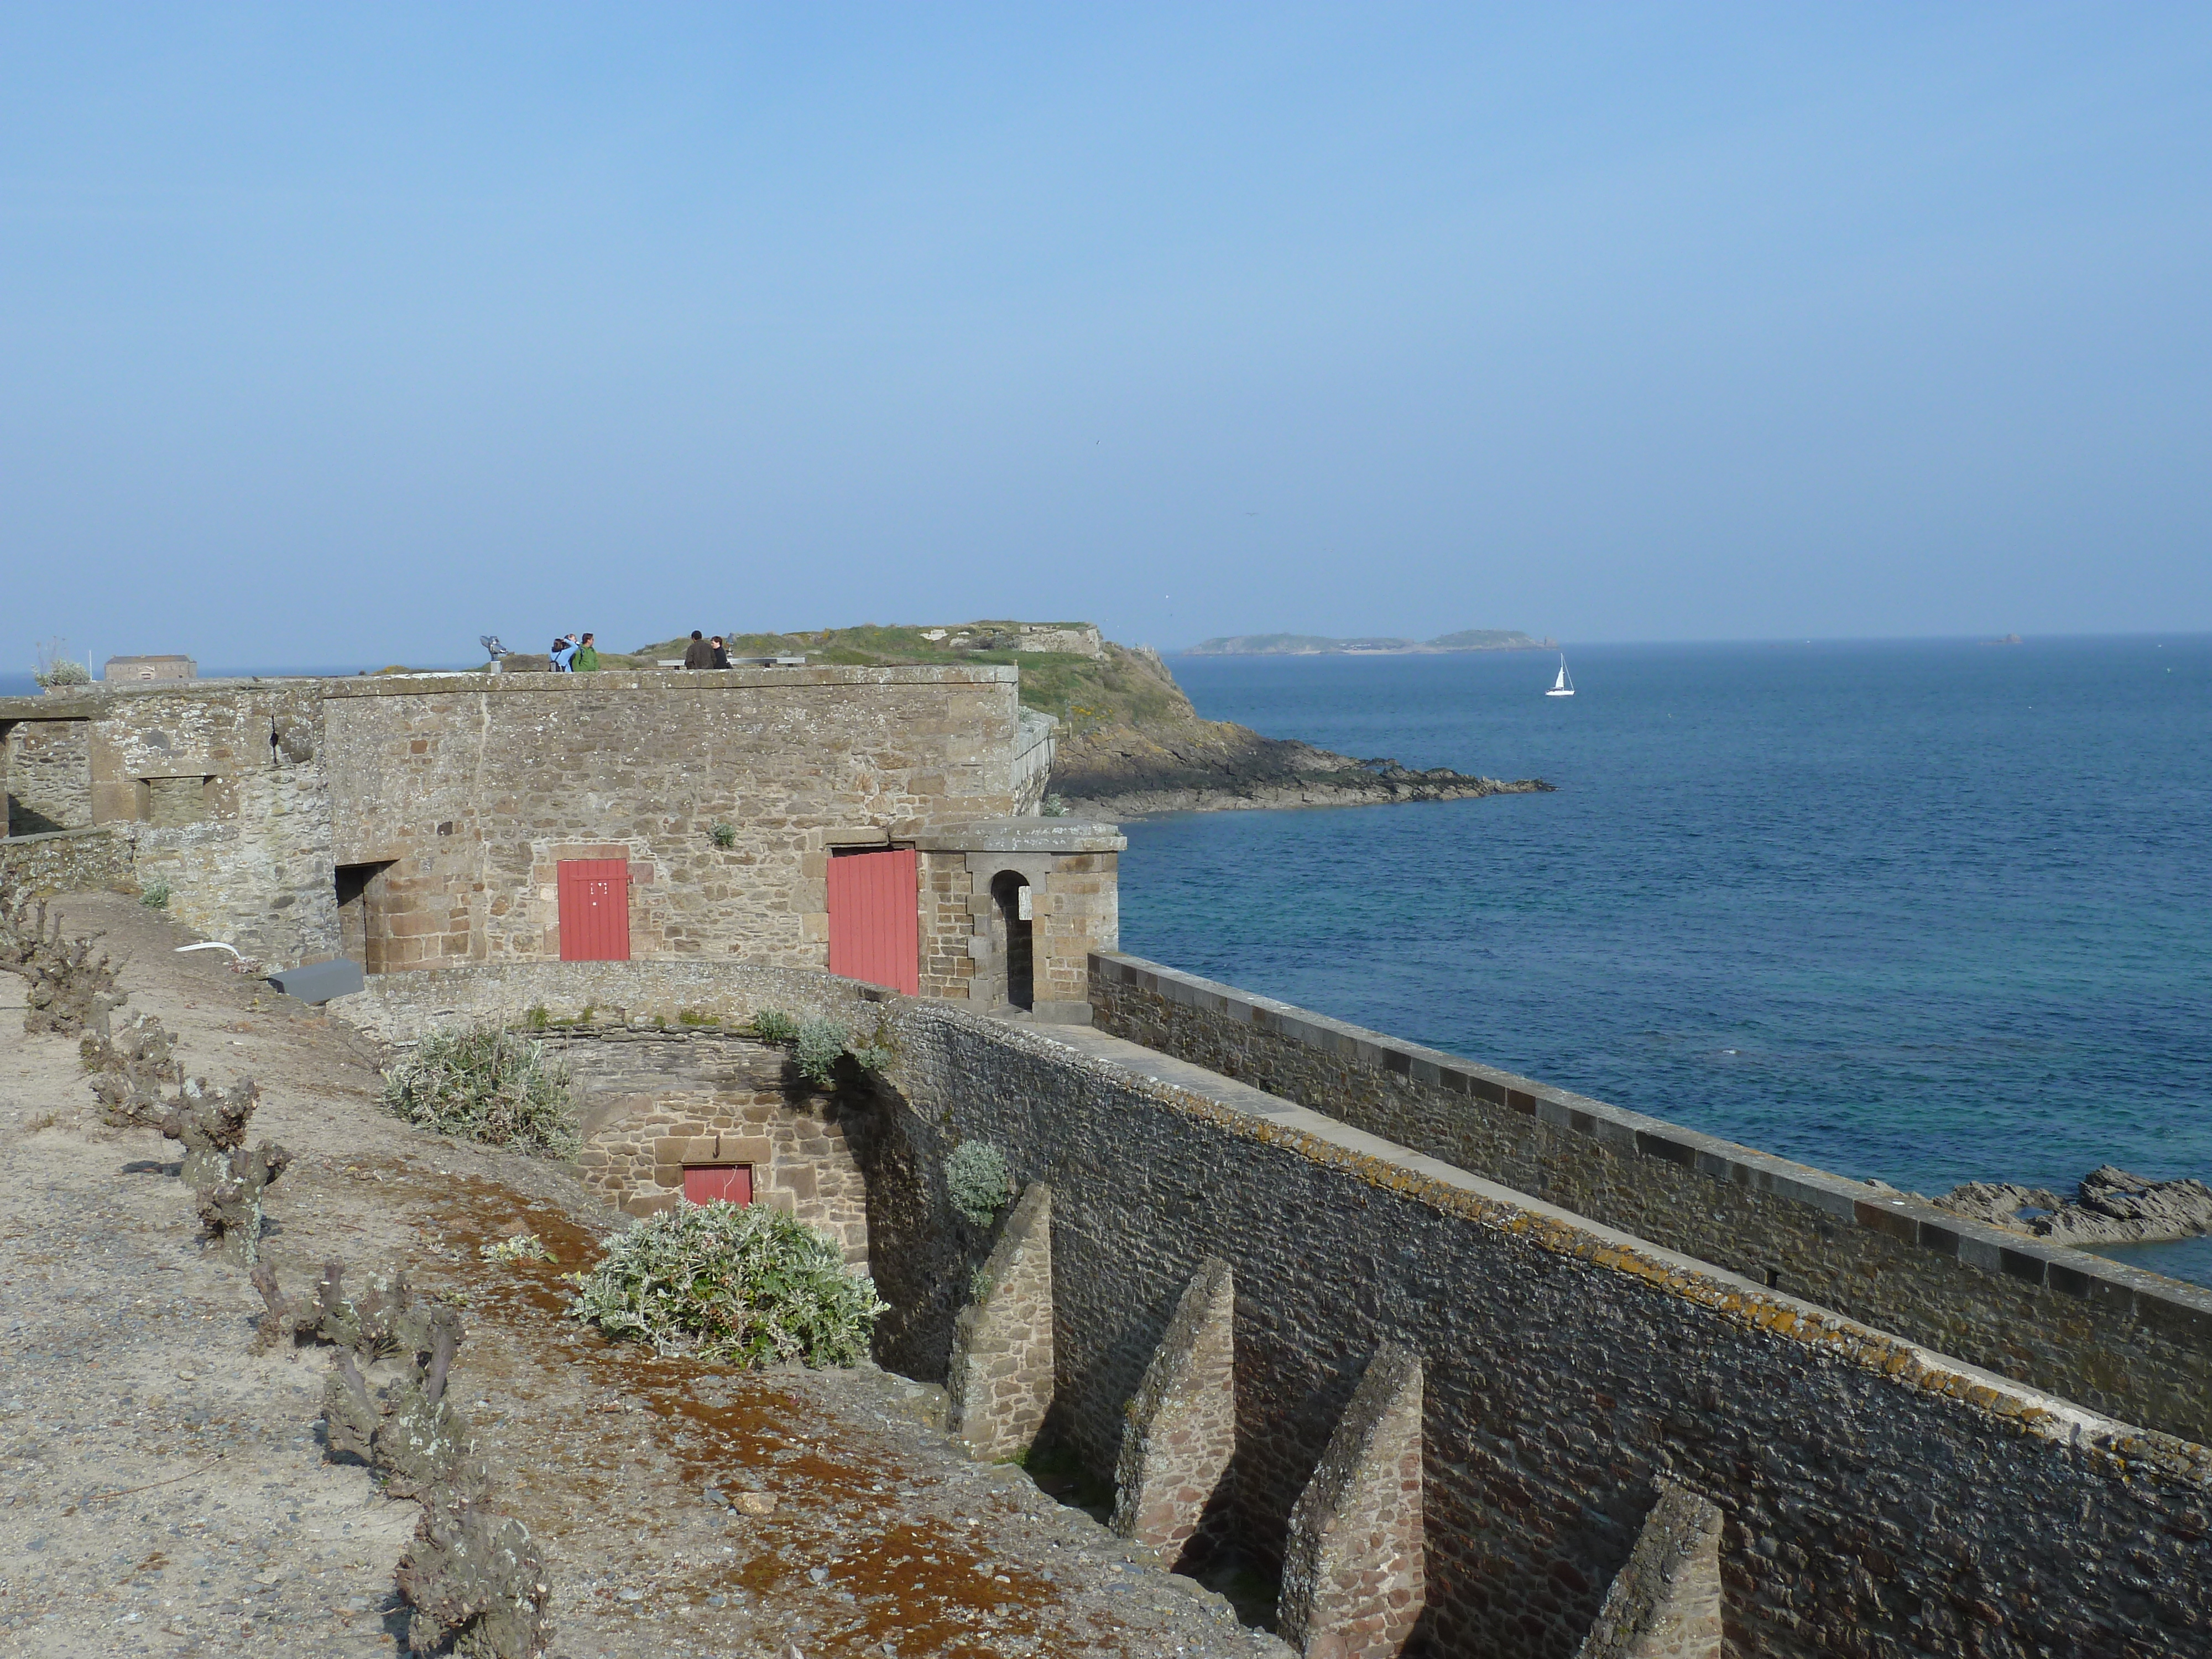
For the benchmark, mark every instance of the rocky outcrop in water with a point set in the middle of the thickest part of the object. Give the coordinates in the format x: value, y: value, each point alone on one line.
x: 1145, y: 750
x: 2111, y: 1206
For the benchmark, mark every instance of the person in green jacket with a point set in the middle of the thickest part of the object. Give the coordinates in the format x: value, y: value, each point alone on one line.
x: 586, y: 657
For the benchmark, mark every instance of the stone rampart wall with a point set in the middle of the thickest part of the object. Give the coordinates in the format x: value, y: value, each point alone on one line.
x: 218, y: 786
x: 68, y: 861
x: 2129, y: 1343
x: 48, y: 767
x: 677, y: 996
x: 1879, y: 1500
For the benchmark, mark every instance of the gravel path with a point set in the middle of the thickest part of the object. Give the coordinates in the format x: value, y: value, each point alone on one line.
x: 163, y: 1490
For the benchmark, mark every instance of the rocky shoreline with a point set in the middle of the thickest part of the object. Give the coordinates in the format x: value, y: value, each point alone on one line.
x: 1166, y: 759
x: 2110, y: 1206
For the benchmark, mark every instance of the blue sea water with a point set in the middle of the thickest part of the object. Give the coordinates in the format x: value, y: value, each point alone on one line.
x: 1928, y: 911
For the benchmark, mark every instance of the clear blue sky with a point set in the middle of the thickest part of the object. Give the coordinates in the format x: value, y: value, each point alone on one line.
x: 335, y: 335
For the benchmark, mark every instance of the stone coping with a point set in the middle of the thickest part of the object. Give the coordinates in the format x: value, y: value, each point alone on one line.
x: 2124, y: 1292
x: 77, y: 833
x: 671, y: 679
x: 1023, y: 836
x: 91, y: 701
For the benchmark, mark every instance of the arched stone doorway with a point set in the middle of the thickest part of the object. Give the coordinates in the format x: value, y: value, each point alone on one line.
x: 1010, y: 890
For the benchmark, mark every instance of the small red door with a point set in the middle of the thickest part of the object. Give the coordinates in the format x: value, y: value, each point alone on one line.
x: 594, y: 910
x: 731, y: 1182
x: 875, y: 921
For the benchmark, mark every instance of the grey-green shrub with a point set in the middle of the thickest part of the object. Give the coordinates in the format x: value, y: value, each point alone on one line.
x: 771, y: 1026
x: 155, y: 895
x: 489, y: 1085
x: 976, y: 1177
x: 817, y: 1044
x: 742, y: 1283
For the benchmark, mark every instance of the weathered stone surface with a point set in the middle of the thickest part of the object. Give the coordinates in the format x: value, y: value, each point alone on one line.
x: 2029, y: 1309
x: 1181, y: 1433
x: 1568, y: 1368
x: 1000, y: 1383
x: 1666, y: 1602
x: 1352, y: 1569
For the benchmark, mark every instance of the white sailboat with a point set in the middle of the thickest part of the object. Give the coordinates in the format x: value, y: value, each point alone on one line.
x: 1562, y: 687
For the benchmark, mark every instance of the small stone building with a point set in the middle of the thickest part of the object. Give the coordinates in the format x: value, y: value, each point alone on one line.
x: 139, y: 670
x: 680, y: 1114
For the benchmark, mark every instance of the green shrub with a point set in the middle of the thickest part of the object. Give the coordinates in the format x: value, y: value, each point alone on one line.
x: 155, y: 895
x: 817, y: 1044
x: 724, y: 835
x: 770, y: 1026
x: 976, y: 1177
x: 742, y: 1283
x: 816, y: 1049
x: 538, y: 1017
x: 489, y: 1085
x: 522, y: 1247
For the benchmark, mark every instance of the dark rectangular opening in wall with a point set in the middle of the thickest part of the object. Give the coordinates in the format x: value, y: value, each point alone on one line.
x: 363, y: 920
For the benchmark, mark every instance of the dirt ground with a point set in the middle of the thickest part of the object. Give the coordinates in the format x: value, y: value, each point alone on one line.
x: 163, y: 1488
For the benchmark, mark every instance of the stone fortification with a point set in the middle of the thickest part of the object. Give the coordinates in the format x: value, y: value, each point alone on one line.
x: 1878, y: 1499
x: 217, y: 788
x: 407, y: 821
x: 465, y: 799
x: 2124, y: 1341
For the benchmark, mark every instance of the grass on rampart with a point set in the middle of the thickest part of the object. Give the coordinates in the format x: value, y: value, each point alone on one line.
x: 1083, y: 693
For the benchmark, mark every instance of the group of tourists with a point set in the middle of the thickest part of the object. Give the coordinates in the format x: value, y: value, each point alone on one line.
x: 574, y: 654
x: 706, y: 653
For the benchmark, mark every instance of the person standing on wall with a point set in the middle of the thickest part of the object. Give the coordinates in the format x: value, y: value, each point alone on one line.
x: 564, y: 654
x: 698, y: 653
x: 721, y: 653
x: 586, y: 659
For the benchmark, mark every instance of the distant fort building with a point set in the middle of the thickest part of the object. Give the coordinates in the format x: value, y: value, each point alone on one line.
x: 129, y: 669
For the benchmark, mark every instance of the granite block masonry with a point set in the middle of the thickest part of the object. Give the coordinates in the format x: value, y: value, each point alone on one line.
x: 1352, y: 1570
x: 998, y: 1386
x: 1666, y: 1602
x: 2109, y: 1336
x: 1182, y: 1430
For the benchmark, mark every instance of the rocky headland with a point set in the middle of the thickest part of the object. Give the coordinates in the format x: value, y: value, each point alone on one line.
x: 2110, y: 1206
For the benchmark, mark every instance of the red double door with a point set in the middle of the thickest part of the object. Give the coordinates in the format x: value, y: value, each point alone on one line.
x: 875, y: 927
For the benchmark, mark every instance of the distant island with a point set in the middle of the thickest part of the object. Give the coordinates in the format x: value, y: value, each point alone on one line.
x: 1313, y: 645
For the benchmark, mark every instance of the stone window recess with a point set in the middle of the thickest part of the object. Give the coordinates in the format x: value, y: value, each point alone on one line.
x: 172, y: 803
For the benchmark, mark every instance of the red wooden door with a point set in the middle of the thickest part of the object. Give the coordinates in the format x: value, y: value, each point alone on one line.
x: 594, y: 910
x: 731, y: 1182
x: 875, y: 922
